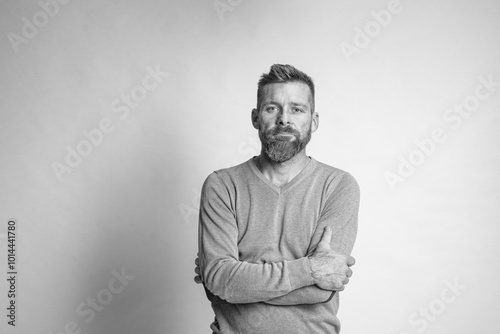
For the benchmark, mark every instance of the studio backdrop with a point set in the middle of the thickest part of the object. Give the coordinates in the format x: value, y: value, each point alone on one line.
x: 113, y: 113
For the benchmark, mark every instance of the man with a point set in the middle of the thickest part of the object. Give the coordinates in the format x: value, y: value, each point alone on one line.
x: 276, y: 232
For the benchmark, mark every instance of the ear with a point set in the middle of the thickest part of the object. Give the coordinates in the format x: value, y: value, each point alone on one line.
x: 255, y: 118
x: 314, y: 121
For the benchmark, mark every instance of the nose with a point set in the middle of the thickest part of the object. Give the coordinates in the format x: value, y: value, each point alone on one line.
x: 283, y: 118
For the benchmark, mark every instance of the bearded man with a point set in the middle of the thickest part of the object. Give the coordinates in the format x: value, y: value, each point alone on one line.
x: 276, y: 232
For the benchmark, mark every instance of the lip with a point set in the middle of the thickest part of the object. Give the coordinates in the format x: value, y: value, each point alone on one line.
x: 284, y: 135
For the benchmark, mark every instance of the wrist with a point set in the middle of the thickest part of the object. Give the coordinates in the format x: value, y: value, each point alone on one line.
x: 312, y: 266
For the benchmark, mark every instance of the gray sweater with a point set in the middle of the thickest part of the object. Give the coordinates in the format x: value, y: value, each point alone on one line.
x: 254, y: 239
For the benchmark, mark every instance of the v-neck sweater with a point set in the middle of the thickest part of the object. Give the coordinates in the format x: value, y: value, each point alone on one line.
x: 286, y: 186
x: 254, y: 239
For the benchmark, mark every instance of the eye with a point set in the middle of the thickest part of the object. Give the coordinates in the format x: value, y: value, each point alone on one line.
x: 298, y: 110
x: 271, y: 109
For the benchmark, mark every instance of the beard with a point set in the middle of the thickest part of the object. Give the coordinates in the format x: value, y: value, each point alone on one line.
x: 278, y: 147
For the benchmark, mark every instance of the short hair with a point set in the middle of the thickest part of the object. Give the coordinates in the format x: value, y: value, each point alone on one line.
x: 279, y: 73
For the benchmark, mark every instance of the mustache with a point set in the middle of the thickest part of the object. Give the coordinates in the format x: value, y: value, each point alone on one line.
x: 283, y: 129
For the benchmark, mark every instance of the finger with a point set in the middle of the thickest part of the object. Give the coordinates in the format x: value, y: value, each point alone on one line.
x: 350, y: 261
x: 326, y: 238
x: 197, y: 261
x: 349, y: 272
x: 214, y: 328
x: 345, y: 281
x: 198, y: 279
x: 197, y: 270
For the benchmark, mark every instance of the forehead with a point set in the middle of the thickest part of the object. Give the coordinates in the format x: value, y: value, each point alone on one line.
x: 294, y: 91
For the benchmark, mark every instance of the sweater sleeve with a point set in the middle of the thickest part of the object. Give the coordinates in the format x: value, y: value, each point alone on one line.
x: 223, y: 273
x: 341, y: 213
x: 305, y: 295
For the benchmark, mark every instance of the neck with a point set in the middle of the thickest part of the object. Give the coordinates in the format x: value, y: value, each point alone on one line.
x: 280, y: 173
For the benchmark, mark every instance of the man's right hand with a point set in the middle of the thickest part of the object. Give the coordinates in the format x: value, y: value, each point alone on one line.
x: 330, y: 270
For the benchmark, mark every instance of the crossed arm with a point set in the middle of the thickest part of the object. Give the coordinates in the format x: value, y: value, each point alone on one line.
x: 311, y: 279
x: 305, y: 295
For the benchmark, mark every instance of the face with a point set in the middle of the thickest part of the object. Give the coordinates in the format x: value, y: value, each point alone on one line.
x: 284, y: 120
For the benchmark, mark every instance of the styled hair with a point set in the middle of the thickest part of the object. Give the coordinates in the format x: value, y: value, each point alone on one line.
x: 284, y: 73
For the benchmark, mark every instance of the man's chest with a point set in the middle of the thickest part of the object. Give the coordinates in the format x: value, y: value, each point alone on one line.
x: 274, y: 227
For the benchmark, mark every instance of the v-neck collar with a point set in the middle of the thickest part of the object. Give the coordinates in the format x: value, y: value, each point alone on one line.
x: 303, y: 173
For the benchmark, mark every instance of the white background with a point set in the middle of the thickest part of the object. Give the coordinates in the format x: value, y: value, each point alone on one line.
x: 131, y: 203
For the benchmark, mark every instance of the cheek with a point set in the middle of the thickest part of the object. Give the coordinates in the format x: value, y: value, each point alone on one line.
x: 266, y: 123
x: 305, y: 129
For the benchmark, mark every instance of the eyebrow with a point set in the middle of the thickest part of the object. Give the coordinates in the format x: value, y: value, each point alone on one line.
x: 299, y: 104
x: 277, y: 103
